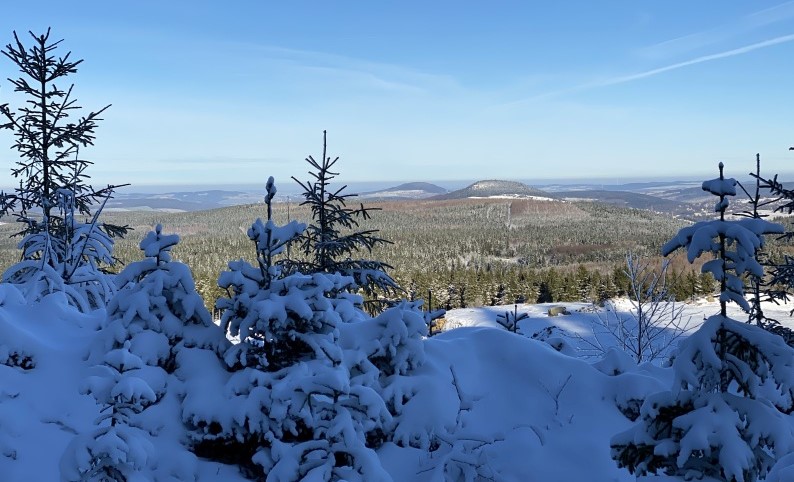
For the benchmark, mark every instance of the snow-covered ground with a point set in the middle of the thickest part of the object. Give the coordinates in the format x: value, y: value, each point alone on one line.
x: 583, y: 319
x: 506, y: 406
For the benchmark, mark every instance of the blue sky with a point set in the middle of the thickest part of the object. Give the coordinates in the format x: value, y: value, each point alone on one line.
x: 226, y: 92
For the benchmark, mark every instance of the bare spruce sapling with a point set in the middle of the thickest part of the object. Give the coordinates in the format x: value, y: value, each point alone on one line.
x: 53, y: 185
x: 333, y: 240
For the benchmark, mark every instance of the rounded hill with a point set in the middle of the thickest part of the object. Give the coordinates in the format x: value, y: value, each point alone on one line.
x: 496, y: 189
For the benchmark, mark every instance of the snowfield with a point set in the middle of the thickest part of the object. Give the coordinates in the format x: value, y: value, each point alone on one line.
x: 581, y: 324
x: 491, y: 404
x: 514, y: 196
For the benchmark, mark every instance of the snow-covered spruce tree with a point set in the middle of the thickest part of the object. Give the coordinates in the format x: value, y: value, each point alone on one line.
x: 724, y: 417
x: 333, y: 239
x: 779, y: 283
x: 60, y: 253
x: 383, y: 353
x: 734, y: 244
x: 117, y: 451
x: 154, y: 319
x: 297, y: 412
x: 158, y: 309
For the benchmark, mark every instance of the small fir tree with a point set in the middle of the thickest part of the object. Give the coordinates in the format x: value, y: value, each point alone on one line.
x: 332, y: 241
x: 724, y: 417
x: 117, y: 450
x: 156, y: 323
x: 305, y: 404
x: 734, y: 244
x: 158, y: 309
x: 777, y: 286
x: 509, y: 321
x: 57, y: 249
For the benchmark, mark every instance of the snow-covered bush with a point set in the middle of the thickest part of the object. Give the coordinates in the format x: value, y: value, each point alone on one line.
x: 291, y: 386
x: 724, y: 416
x: 383, y: 353
x: 158, y: 309
x: 303, y: 402
x: 153, y: 321
x: 117, y: 450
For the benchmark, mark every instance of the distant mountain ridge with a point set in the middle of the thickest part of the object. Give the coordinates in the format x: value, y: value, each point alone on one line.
x: 624, y: 198
x: 684, y: 199
x: 495, y: 188
x: 408, y: 190
x: 418, y: 186
x: 628, y: 199
x: 181, y: 201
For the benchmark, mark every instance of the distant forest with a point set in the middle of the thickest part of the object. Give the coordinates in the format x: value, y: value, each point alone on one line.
x: 454, y: 253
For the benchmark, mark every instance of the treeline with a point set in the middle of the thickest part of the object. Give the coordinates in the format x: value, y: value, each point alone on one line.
x: 504, y: 284
x: 457, y: 253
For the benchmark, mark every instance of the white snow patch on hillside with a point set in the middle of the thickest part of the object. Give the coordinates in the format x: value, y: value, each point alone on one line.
x: 514, y: 196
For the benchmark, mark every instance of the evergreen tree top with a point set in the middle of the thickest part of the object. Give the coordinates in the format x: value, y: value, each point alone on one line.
x: 46, y: 139
x: 158, y: 245
x: 333, y: 241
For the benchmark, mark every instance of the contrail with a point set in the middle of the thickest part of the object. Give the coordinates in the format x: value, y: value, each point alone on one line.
x: 698, y: 60
x: 650, y: 73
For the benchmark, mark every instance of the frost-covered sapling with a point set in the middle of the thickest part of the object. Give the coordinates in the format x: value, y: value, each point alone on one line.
x: 269, y: 340
x: 157, y: 307
x: 156, y: 321
x: 60, y: 253
x: 117, y: 450
x: 725, y: 417
x: 733, y: 242
x: 297, y: 413
x: 779, y: 282
x: 756, y: 284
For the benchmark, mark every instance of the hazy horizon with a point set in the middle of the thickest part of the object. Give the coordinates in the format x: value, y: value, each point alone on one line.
x: 290, y: 187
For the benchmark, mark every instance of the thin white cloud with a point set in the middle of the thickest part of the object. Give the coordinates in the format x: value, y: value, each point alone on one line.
x: 772, y: 14
x: 650, y: 73
x: 740, y: 26
x: 698, y: 60
x: 377, y: 75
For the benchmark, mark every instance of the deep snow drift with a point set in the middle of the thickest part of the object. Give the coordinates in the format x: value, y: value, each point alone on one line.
x: 490, y: 404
